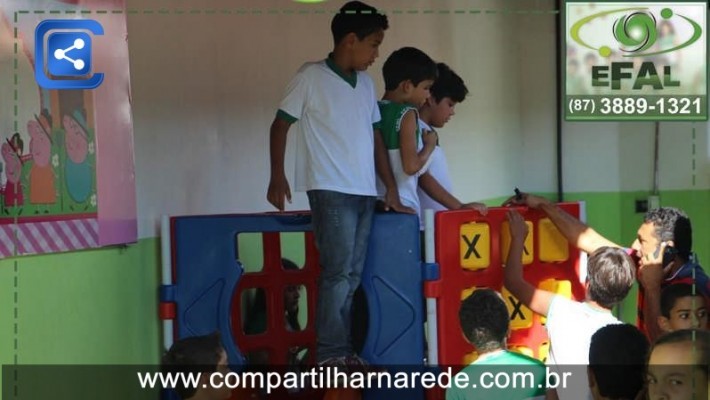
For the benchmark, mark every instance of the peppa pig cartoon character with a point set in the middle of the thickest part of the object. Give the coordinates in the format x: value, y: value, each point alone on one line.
x: 77, y: 170
x: 13, y: 170
x: 42, y: 190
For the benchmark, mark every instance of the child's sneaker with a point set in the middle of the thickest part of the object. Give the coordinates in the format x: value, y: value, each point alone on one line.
x: 334, y: 364
x: 356, y: 363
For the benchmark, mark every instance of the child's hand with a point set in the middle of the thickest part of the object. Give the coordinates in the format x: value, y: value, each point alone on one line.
x: 518, y: 227
x: 430, y: 138
x: 393, y: 203
x: 278, y: 189
x: 526, y: 199
x: 651, y: 268
x: 480, y: 207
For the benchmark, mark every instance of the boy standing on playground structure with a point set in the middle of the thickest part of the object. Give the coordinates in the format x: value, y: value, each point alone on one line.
x: 339, y: 150
x: 447, y: 91
x: 408, y: 75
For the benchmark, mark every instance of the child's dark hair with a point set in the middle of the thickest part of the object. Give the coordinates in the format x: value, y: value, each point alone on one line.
x: 448, y: 84
x: 673, y: 292
x: 484, y: 320
x: 617, y: 358
x: 610, y: 277
x: 358, y: 18
x: 408, y: 64
x: 700, y: 340
x: 196, y: 354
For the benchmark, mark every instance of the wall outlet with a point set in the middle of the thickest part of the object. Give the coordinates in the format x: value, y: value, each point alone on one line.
x: 641, y: 206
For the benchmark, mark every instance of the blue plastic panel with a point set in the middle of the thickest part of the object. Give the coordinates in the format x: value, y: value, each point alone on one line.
x: 207, y: 271
x: 393, y: 283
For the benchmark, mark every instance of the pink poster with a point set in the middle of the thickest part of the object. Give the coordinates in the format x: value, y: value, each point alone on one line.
x: 67, y: 178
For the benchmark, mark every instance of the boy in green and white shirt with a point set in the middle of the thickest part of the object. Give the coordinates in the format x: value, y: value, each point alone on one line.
x: 408, y: 75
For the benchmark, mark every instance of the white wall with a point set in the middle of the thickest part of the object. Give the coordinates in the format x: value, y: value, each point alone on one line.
x: 205, y: 89
x: 537, y: 82
x: 618, y: 156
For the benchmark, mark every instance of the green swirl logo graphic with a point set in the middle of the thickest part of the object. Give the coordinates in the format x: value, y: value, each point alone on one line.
x: 636, y: 31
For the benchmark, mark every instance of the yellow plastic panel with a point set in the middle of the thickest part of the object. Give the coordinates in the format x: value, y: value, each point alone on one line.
x: 505, y: 243
x: 475, y: 244
x: 470, y: 357
x: 523, y: 350
x: 467, y: 292
x: 521, y: 317
x: 553, y: 246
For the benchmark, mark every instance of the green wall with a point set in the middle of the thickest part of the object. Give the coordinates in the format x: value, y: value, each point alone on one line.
x: 87, y: 307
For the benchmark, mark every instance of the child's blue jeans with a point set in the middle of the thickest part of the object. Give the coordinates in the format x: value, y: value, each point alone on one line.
x: 341, y: 226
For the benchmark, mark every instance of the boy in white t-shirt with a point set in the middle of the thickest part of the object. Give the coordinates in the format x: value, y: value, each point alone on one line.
x: 571, y: 324
x: 339, y: 148
x: 447, y: 91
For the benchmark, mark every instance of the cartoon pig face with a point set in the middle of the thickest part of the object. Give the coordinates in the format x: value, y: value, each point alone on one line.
x: 76, y: 140
x: 12, y: 163
x: 40, y: 146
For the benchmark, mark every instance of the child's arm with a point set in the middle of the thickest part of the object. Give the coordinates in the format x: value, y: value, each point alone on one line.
x: 384, y: 171
x: 433, y: 188
x: 480, y: 207
x: 574, y: 230
x: 413, y: 161
x: 536, y: 299
x: 278, y: 184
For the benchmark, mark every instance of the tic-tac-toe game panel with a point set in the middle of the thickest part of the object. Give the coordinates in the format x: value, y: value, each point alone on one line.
x: 470, y: 251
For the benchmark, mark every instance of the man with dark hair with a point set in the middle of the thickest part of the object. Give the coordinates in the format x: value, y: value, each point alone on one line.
x: 202, y: 355
x: 662, y: 251
x: 486, y: 325
x: 617, y: 357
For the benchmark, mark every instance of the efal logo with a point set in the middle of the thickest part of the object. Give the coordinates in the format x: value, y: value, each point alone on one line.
x: 636, y: 32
